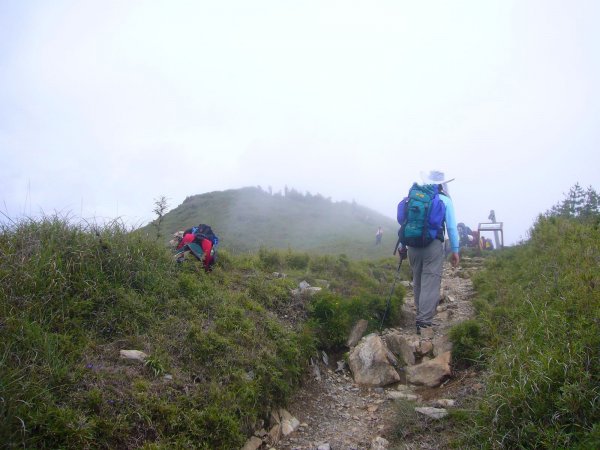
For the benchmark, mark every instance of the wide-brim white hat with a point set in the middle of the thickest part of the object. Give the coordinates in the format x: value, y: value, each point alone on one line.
x: 435, y: 177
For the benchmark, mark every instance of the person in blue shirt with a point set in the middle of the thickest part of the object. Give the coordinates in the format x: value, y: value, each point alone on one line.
x: 427, y: 262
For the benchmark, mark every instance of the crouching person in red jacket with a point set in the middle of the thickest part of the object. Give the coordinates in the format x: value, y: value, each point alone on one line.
x: 200, y: 241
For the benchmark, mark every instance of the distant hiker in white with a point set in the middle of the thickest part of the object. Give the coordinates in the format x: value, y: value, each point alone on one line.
x: 378, y: 236
x: 423, y: 216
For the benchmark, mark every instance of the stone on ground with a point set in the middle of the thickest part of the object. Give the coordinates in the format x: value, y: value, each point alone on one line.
x: 370, y: 362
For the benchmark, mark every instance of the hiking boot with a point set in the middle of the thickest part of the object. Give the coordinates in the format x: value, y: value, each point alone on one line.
x: 423, y: 325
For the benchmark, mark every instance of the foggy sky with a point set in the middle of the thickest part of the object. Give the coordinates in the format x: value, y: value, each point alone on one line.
x: 107, y: 105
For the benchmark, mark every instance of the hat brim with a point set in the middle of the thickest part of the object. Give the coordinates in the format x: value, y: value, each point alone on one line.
x: 426, y: 180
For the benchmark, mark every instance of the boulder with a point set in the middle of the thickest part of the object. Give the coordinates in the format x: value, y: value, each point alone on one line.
x: 444, y: 316
x: 289, y: 423
x: 371, y: 362
x: 379, y: 443
x: 176, y: 239
x: 441, y: 345
x: 401, y: 346
x: 133, y: 354
x: 357, y: 333
x: 430, y: 373
x: 311, y: 290
x: 253, y: 443
x: 434, y: 413
x: 427, y: 333
x: 275, y: 433
x: 305, y: 288
x: 448, y: 298
x: 425, y: 347
x: 400, y: 395
x: 316, y: 370
x: 444, y: 402
x: 303, y: 285
x: 408, y: 315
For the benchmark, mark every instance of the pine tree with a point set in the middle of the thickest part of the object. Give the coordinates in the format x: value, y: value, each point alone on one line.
x: 575, y: 200
x: 578, y: 204
x: 591, y: 207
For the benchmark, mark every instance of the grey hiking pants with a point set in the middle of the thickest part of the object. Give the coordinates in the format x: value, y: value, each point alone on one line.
x: 427, y: 264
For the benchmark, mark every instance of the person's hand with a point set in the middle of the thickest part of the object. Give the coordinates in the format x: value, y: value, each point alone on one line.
x: 403, y: 253
x: 454, y: 259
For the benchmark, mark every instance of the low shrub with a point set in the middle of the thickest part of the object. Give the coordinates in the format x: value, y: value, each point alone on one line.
x: 334, y: 315
x: 297, y: 261
x: 270, y: 259
x: 468, y: 344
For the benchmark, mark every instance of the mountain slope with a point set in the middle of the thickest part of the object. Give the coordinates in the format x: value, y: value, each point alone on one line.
x: 249, y: 218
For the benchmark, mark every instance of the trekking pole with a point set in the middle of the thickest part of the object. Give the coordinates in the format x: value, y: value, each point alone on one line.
x: 389, y: 300
x: 397, y: 244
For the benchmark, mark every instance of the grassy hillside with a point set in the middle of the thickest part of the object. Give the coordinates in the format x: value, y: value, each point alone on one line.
x: 249, y: 218
x: 223, y: 348
x: 538, y: 337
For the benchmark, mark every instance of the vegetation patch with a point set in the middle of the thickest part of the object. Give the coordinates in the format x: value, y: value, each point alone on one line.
x: 223, y: 349
x: 468, y: 344
x: 539, y: 304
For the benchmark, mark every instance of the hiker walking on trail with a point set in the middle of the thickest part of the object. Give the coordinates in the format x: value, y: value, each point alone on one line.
x: 378, y: 236
x: 423, y: 216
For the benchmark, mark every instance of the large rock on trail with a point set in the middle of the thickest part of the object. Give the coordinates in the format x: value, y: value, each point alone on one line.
x: 402, y: 346
x: 430, y: 373
x: 357, y: 333
x: 371, y: 362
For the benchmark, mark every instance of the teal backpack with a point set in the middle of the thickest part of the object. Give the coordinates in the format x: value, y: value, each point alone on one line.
x: 421, y: 216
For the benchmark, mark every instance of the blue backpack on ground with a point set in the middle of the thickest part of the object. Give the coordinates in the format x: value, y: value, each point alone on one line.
x: 421, y: 216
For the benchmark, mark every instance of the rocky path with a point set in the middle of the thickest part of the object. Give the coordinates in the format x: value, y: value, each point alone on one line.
x: 332, y: 412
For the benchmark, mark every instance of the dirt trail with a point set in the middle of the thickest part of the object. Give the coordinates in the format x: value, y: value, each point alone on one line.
x: 336, y: 414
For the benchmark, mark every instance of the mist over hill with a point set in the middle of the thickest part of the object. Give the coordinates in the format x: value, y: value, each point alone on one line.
x: 249, y: 218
